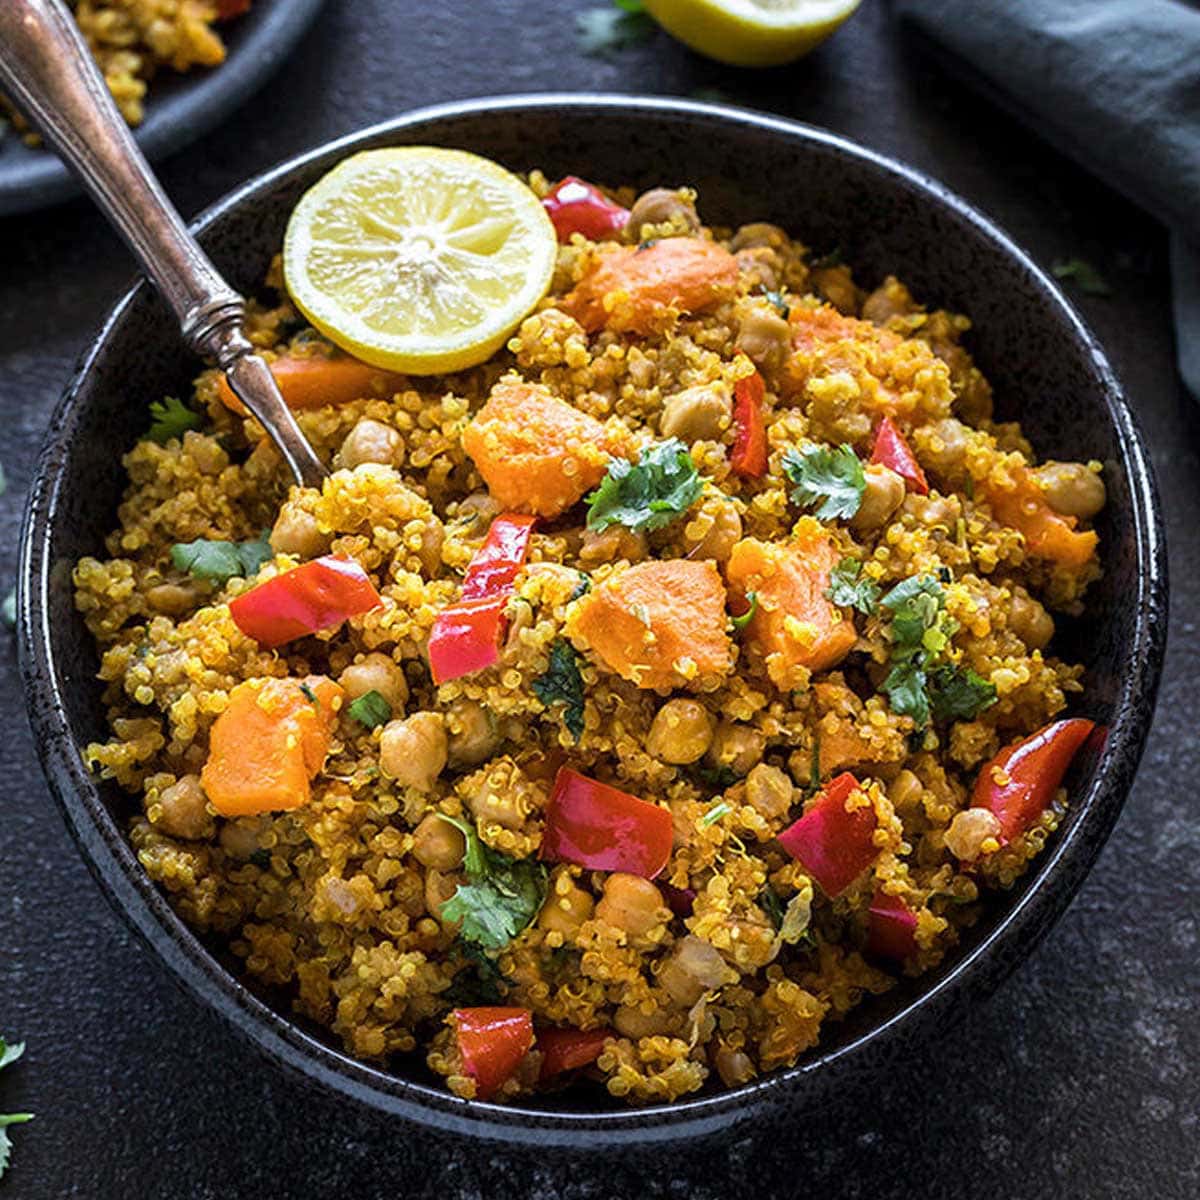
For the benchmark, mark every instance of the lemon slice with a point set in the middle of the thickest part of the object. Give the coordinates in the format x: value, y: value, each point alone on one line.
x: 418, y: 259
x: 751, y: 33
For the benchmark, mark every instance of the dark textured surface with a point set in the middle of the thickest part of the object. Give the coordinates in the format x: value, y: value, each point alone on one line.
x: 1076, y: 1079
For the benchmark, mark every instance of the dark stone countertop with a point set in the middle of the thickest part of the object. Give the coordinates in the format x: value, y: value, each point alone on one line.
x: 1078, y: 1079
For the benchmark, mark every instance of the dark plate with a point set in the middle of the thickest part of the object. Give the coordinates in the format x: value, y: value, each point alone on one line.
x: 1044, y: 363
x: 179, y: 107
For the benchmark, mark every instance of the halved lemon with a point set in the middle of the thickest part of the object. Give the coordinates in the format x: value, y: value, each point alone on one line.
x: 751, y: 33
x: 418, y: 259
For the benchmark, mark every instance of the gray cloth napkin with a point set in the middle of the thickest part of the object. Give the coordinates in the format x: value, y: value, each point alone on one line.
x: 1115, y: 84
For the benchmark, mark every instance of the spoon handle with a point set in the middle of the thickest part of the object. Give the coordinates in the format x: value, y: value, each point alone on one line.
x: 45, y: 66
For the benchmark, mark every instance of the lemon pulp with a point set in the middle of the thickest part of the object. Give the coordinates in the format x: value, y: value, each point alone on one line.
x: 751, y: 33
x: 418, y: 259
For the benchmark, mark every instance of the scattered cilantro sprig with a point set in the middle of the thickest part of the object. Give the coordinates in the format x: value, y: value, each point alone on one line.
x: 171, y: 418
x: 649, y: 494
x: 916, y: 684
x: 562, y: 683
x: 830, y: 481
x: 1084, y: 275
x: 370, y: 709
x: 851, y: 589
x: 222, y: 561
x: 9, y: 1054
x: 501, y: 897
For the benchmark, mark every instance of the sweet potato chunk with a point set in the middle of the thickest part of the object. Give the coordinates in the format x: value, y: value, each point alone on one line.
x: 657, y: 624
x: 641, y: 289
x: 1047, y: 533
x: 535, y: 452
x: 795, y: 627
x: 269, y: 742
x: 316, y: 381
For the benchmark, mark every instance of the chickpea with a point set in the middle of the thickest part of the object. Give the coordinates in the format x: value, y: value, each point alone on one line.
x: 905, y: 791
x: 933, y: 511
x: 631, y: 903
x: 1029, y: 620
x: 969, y: 830
x: 566, y: 908
x: 699, y: 413
x: 720, y: 530
x: 413, y: 751
x: 480, y: 507
x: 1071, y: 488
x: 296, y: 532
x: 758, y: 233
x: 761, y: 265
x: 430, y: 553
x: 890, y: 299
x: 371, y: 442
x: 173, y: 599
x: 691, y: 969
x: 733, y: 1066
x: 614, y: 543
x: 682, y: 730
x: 883, y: 494
x: 946, y: 450
x: 376, y: 672
x: 239, y: 839
x: 473, y: 736
x: 206, y: 452
x: 631, y: 1022
x: 437, y: 844
x: 662, y: 206
x: 185, y: 809
x: 764, y: 336
x: 737, y: 747
x: 438, y: 889
x: 836, y: 285
x: 769, y: 791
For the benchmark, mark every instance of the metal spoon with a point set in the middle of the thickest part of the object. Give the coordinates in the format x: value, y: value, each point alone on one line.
x: 45, y: 66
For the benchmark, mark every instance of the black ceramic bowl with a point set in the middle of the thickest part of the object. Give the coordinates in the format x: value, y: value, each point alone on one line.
x: 1045, y: 365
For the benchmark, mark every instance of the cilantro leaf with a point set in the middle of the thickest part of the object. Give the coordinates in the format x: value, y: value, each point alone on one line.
x: 915, y: 604
x: 501, y: 897
x: 562, y: 683
x: 905, y: 687
x: 1084, y: 275
x: 171, y: 418
x: 744, y: 619
x: 221, y: 561
x: 830, y: 481
x: 770, y: 901
x: 716, y: 779
x: 661, y: 486
x: 850, y: 589
x: 604, y: 31
x: 958, y: 693
x: 370, y: 709
x: 9, y: 1054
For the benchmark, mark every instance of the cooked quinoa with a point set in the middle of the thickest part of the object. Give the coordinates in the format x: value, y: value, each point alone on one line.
x: 727, y: 707
x: 131, y: 40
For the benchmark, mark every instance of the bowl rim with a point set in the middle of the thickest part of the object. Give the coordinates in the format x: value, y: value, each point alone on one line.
x: 968, y: 979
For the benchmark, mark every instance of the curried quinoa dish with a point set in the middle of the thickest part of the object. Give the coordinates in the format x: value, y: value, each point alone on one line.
x: 626, y: 706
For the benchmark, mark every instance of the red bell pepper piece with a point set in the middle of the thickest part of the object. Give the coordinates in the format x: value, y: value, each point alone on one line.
x: 318, y: 595
x: 466, y: 634
x: 893, y: 451
x: 749, y: 456
x: 569, y: 1049
x: 891, y: 928
x: 834, y: 846
x: 605, y: 829
x: 578, y: 207
x: 492, y: 1042
x: 1018, y: 784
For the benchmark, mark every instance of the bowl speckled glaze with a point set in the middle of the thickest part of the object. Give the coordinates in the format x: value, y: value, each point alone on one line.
x: 1044, y: 364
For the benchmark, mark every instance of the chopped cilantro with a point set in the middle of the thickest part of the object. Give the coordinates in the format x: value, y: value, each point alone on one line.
x: 221, y: 561
x: 605, y: 30
x: 771, y: 903
x: 716, y: 778
x: 744, y: 619
x: 778, y: 302
x: 310, y: 695
x: 370, y: 709
x: 501, y: 897
x: 830, y: 481
x: 582, y: 587
x: 562, y: 683
x: 1084, y: 275
x: 171, y: 418
x: 662, y: 485
x: 9, y: 1054
x: 850, y: 589
x: 714, y: 814
x: 958, y: 693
